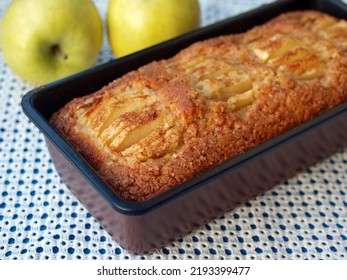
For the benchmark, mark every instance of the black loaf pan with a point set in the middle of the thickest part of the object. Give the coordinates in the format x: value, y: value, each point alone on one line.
x: 141, y: 227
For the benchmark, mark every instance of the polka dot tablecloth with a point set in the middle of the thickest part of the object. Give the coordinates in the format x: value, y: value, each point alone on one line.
x: 303, y: 218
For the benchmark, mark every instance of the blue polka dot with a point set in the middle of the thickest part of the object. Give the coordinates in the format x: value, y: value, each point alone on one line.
x: 283, y: 227
x: 243, y: 252
x: 305, y: 204
x: 213, y: 251
x: 55, y: 249
x: 319, y: 250
x: 166, y: 251
x: 265, y: 215
x: 318, y: 203
x: 102, y: 251
x: 228, y: 252
x: 56, y: 236
x: 307, y: 214
x: 181, y: 251
x: 258, y: 250
x: 332, y: 248
x: 39, y: 249
x: 71, y: 250
x: 8, y: 253
x: 195, y: 239
x: 271, y: 238
x: 225, y: 239
x: 43, y: 227
x: 289, y: 250
x: 240, y: 239
x: 236, y: 216
x: 44, y: 216
x: 294, y: 215
x: 336, y: 215
x: 274, y: 249
x: 255, y: 238
x: 314, y: 237
x: 87, y: 226
x: 304, y: 250
x: 300, y: 237
x: 118, y: 251
x: 197, y: 251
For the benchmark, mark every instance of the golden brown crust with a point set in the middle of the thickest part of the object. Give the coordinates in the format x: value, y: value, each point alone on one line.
x: 171, y: 120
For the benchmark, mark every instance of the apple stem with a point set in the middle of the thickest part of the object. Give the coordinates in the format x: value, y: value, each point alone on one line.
x: 56, y: 50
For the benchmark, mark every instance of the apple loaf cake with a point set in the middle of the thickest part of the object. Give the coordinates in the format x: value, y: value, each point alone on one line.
x: 172, y: 119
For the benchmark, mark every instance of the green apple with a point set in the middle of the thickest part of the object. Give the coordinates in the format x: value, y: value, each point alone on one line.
x: 136, y: 24
x: 45, y: 40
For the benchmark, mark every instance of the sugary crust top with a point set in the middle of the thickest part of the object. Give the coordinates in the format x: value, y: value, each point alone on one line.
x: 170, y: 120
